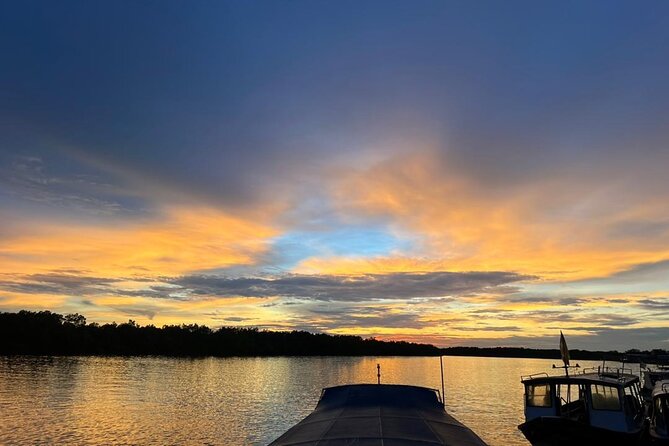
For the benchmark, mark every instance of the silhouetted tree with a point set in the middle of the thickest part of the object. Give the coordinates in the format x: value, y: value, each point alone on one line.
x: 47, y: 333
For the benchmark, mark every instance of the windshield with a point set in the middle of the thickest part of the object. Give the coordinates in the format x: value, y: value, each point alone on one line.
x: 661, y: 414
x: 633, y: 402
x: 605, y: 397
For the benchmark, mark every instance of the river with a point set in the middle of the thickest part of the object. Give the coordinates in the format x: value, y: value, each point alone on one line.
x: 232, y: 401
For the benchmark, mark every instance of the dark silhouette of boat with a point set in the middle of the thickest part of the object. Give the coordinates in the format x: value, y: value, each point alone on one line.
x: 658, y: 414
x: 652, y: 374
x: 379, y: 415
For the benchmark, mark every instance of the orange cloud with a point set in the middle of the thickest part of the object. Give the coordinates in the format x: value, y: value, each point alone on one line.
x: 556, y: 227
x: 181, y: 240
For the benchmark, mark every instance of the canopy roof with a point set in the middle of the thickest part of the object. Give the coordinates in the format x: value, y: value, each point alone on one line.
x: 379, y: 415
x: 661, y: 388
x: 611, y: 379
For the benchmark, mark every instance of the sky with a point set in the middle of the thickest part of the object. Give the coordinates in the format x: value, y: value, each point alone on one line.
x: 458, y: 173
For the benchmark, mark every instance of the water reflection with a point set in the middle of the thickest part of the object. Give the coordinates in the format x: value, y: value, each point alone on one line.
x: 236, y: 401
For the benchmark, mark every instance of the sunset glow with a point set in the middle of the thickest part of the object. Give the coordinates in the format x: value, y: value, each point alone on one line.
x: 400, y: 175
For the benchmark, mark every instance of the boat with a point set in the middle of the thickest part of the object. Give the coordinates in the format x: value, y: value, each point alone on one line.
x: 377, y: 415
x: 596, y: 406
x: 600, y: 405
x: 658, y: 414
x: 652, y: 374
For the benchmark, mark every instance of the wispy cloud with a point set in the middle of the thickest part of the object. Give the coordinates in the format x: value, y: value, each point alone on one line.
x: 29, y: 178
x: 352, y: 288
x: 57, y: 283
x: 398, y: 286
x: 343, y: 317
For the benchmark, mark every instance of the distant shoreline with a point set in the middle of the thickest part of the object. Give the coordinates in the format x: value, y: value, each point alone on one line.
x: 52, y: 334
x: 532, y: 353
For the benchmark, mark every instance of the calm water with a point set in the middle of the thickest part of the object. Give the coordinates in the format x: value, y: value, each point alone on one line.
x: 238, y: 401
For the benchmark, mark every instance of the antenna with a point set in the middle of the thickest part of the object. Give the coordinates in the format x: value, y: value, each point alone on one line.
x: 443, y: 395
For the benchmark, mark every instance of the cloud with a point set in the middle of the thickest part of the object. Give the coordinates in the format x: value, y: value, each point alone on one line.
x: 565, y: 316
x: 484, y: 327
x: 147, y: 311
x: 559, y: 225
x: 58, y: 284
x: 654, y: 304
x: 352, y: 288
x: 345, y: 317
x: 640, y: 230
x: 363, y: 319
x: 29, y: 179
x: 642, y: 272
x: 635, y: 278
x: 234, y: 318
x: 557, y: 300
x: 604, y: 339
x: 173, y: 241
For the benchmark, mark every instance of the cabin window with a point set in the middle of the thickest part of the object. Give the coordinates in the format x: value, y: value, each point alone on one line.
x: 632, y: 401
x: 660, y: 415
x: 637, y: 393
x: 604, y: 397
x: 539, y: 395
x: 570, y: 393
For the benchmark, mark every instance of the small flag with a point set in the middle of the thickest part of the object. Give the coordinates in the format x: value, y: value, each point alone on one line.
x: 564, y: 351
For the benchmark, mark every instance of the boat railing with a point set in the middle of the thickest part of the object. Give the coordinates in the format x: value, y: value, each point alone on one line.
x: 611, y: 372
x: 534, y: 375
x: 619, y: 373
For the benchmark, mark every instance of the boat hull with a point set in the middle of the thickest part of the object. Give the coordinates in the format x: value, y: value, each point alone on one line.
x: 555, y: 431
x: 656, y: 439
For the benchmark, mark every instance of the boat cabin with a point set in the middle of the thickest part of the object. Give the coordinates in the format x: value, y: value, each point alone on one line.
x: 600, y: 398
x: 652, y: 375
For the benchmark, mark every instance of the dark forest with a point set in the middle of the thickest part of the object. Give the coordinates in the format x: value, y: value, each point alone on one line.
x: 47, y: 333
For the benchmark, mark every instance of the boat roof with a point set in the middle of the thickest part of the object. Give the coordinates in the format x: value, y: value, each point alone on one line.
x: 611, y: 379
x: 379, y: 415
x: 661, y: 388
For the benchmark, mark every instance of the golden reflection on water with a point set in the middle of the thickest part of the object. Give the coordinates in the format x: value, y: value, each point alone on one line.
x: 233, y: 401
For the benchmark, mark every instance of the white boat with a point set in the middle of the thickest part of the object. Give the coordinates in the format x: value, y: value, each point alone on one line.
x: 379, y: 415
x: 595, y: 406
x: 658, y: 414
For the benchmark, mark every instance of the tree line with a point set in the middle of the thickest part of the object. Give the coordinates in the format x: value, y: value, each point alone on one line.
x: 655, y: 356
x: 48, y: 333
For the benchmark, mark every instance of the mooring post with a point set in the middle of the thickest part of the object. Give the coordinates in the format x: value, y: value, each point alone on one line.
x: 378, y: 373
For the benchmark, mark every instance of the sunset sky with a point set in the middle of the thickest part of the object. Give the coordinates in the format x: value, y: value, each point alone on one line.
x: 458, y: 173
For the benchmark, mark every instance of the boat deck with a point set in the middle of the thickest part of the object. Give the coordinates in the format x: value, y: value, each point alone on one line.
x: 379, y: 415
